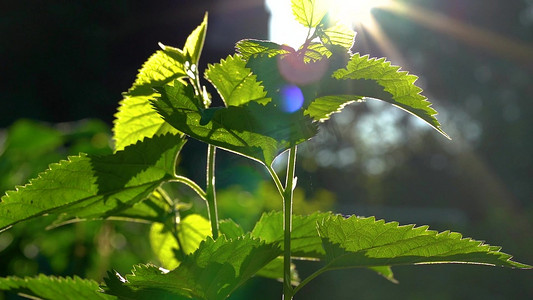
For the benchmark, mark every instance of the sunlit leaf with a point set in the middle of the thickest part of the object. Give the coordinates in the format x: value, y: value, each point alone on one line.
x: 234, y: 82
x: 57, y: 288
x: 230, y: 229
x: 399, y: 84
x: 249, y: 47
x: 191, y: 231
x: 94, y: 186
x: 323, y: 107
x: 365, y: 242
x: 253, y: 130
x: 274, y: 270
x: 152, y: 209
x: 136, y: 119
x: 309, y: 12
x: 195, y: 42
x: 214, y: 271
x: 339, y: 34
x: 305, y: 241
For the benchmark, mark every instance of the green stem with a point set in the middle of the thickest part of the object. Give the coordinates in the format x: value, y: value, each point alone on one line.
x: 192, y: 185
x: 275, y: 177
x: 287, y: 224
x: 175, y: 221
x: 210, y: 190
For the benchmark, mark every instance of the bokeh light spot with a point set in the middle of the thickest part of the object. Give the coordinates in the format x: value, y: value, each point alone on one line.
x: 292, y: 98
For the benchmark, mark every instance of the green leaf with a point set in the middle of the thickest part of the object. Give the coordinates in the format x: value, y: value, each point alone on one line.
x: 230, y: 229
x: 309, y: 12
x: 253, y: 130
x: 386, y: 272
x: 364, y: 242
x: 274, y: 270
x: 192, y: 230
x: 322, y: 108
x: 136, y: 119
x: 195, y: 42
x: 339, y: 34
x: 305, y: 241
x: 400, y: 85
x: 248, y: 48
x: 94, y: 186
x: 51, y: 287
x: 214, y: 271
x: 234, y: 82
x: 153, y: 209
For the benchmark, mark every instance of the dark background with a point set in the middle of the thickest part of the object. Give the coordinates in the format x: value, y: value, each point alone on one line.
x: 64, y: 61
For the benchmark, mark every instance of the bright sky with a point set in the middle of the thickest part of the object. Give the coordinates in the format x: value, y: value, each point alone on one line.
x: 285, y: 30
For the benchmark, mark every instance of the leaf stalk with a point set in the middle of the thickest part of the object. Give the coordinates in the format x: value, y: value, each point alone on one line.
x: 287, y: 223
x: 210, y: 190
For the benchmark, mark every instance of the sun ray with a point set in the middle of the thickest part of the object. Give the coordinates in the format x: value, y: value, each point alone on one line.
x: 474, y: 36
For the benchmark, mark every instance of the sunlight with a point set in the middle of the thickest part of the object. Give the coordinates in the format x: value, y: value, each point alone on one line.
x: 285, y: 30
x: 356, y: 11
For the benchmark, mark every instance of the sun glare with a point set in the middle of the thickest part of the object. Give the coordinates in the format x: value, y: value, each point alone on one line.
x: 356, y: 11
x: 285, y: 30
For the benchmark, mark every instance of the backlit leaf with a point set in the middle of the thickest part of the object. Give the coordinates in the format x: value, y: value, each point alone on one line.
x: 249, y: 47
x: 88, y: 186
x: 136, y: 119
x: 214, y: 271
x: 309, y: 12
x: 253, y: 130
x: 365, y: 242
x: 57, y: 288
x: 305, y: 241
x: 191, y: 231
x: 195, y: 42
x: 399, y: 84
x: 339, y: 34
x: 234, y: 82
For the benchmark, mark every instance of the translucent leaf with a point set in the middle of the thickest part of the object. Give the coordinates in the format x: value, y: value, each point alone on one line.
x: 94, y: 186
x: 339, y: 34
x: 153, y: 209
x: 400, y: 85
x: 192, y: 230
x: 51, y: 287
x: 249, y: 47
x: 323, y: 107
x: 274, y: 270
x: 234, y: 82
x: 230, y: 229
x: 365, y: 242
x: 305, y: 241
x: 386, y: 272
x: 136, y: 119
x: 214, y: 271
x: 309, y: 12
x: 253, y: 130
x: 195, y: 42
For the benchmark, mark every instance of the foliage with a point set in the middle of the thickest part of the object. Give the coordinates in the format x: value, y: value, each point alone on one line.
x: 275, y: 97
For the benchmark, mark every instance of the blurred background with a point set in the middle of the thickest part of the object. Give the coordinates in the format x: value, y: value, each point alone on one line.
x: 64, y: 65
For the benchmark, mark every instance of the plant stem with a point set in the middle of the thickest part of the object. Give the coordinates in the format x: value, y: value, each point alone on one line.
x: 287, y: 224
x: 308, y: 279
x: 210, y: 190
x: 191, y: 184
x: 275, y: 177
x: 175, y: 220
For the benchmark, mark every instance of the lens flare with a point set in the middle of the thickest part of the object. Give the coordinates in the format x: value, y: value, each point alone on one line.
x: 292, y: 98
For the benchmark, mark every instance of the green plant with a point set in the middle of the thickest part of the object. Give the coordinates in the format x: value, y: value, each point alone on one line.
x: 275, y: 97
